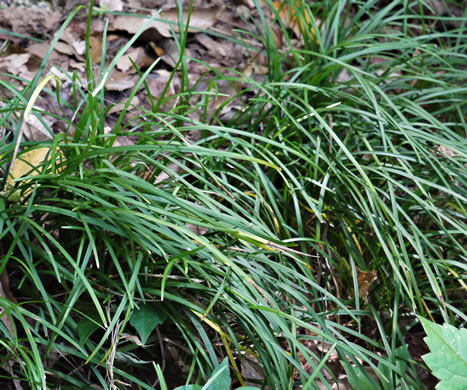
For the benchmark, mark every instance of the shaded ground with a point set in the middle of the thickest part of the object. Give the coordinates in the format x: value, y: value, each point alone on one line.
x: 27, y: 34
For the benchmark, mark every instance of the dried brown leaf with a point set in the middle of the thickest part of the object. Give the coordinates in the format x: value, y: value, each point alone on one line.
x: 95, y: 44
x: 365, y: 279
x: 172, y: 167
x: 444, y: 150
x: 40, y: 50
x: 214, y: 47
x: 199, y: 230
x: 119, y: 81
x: 112, y: 5
x: 29, y: 21
x: 29, y: 163
x: 138, y: 56
x: 74, y: 42
x: 201, y: 19
x: 17, y: 65
x: 157, y: 82
x: 64, y: 48
x: 120, y: 105
x: 34, y: 130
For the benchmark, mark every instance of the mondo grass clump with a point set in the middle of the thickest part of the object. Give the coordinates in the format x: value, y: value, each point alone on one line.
x: 300, y: 238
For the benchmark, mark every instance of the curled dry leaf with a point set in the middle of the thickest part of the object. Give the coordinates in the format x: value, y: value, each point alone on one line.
x: 365, y: 280
x: 133, y: 339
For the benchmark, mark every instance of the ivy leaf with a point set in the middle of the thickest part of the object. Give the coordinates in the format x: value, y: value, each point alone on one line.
x: 448, y: 357
x: 220, y: 378
x: 146, y: 319
x: 86, y: 328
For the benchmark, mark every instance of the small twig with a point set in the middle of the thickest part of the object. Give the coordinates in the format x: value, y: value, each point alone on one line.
x: 161, y: 344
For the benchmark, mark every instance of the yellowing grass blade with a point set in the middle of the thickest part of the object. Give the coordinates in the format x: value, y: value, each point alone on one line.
x: 29, y: 108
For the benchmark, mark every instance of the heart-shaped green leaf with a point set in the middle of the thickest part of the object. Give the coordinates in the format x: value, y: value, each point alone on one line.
x: 146, y: 319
